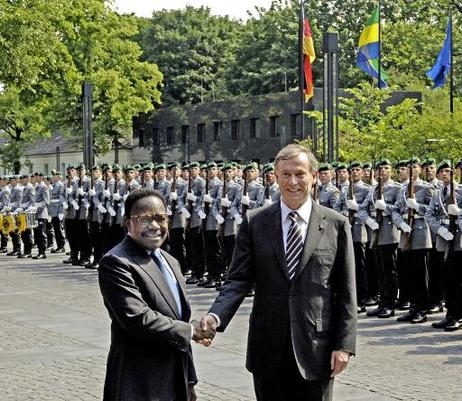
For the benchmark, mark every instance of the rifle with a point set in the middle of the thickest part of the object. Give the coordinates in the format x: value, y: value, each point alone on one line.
x: 173, y: 189
x: 142, y: 179
x: 379, y: 214
x: 410, y: 211
x: 206, y: 206
x: 266, y: 184
x: 350, y: 196
x: 315, y: 188
x: 337, y: 183
x: 79, y: 198
x: 189, y: 204
x: 244, y: 193
x: 115, y: 203
x: 452, y: 219
x: 92, y: 186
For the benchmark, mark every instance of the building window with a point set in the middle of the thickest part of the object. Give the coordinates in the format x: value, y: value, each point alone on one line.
x: 46, y: 169
x: 217, y: 130
x: 235, y: 130
x: 170, y: 135
x: 274, y: 129
x: 294, y: 124
x: 254, y: 127
x: 200, y: 133
x: 184, y: 133
x: 155, y: 136
x: 141, y: 138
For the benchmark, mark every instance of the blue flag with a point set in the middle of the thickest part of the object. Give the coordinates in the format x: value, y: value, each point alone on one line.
x: 443, y: 63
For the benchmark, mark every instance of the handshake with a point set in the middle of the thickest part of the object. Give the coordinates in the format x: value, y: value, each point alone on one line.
x: 205, y: 330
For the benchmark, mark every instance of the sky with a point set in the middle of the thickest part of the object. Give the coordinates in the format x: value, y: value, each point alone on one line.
x: 233, y: 8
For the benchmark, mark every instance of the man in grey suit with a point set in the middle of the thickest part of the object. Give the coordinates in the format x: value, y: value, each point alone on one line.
x: 144, y: 292
x: 299, y: 256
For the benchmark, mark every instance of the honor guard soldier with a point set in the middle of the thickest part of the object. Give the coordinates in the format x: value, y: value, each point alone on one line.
x: 213, y: 243
x: 272, y: 193
x: 131, y: 179
x: 5, y: 194
x: 162, y: 184
x: 328, y: 193
x: 26, y: 201
x: 118, y: 205
x: 70, y: 215
x: 416, y: 242
x: 341, y: 176
x: 376, y: 212
x: 444, y: 218
x: 176, y: 205
x: 252, y: 195
x: 196, y: 187
x: 41, y: 204
x: 458, y: 171
x: 82, y: 190
x: 109, y: 188
x: 15, y: 198
x: 368, y: 174
x: 429, y: 173
x: 148, y: 176
x: 56, y: 210
x: 351, y: 196
x: 97, y: 213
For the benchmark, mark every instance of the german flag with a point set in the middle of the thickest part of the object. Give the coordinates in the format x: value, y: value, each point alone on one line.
x: 309, y: 56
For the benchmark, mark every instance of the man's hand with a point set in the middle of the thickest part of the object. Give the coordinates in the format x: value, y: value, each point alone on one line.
x: 338, y: 362
x: 203, y: 334
x: 191, y: 393
x: 208, y: 323
x: 380, y: 204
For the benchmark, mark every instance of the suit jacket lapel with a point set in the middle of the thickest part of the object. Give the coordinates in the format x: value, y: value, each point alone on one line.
x: 315, y: 231
x: 145, y: 262
x: 274, y: 230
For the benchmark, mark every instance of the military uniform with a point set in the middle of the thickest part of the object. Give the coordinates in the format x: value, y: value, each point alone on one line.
x: 56, y: 212
x: 81, y: 190
x: 118, y: 205
x: 41, y: 203
x: 5, y: 194
x: 71, y: 207
x: 97, y: 213
x: 328, y: 195
x: 108, y: 192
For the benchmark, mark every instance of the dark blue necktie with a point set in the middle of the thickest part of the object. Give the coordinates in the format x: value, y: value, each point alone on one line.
x: 169, y: 279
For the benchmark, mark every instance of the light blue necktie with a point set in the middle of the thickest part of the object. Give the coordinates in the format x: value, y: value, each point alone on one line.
x: 169, y: 279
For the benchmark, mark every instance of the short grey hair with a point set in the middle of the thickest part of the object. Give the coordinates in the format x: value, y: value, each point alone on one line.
x: 293, y: 150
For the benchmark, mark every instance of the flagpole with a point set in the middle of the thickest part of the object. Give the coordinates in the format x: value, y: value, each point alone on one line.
x: 451, y: 79
x: 301, y: 75
x: 380, y: 46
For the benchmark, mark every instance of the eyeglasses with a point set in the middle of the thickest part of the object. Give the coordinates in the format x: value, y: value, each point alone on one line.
x: 147, y: 220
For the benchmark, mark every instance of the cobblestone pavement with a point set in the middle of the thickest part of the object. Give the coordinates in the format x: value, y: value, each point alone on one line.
x: 54, y: 337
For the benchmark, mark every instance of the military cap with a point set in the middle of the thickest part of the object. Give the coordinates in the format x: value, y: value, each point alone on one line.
x: 400, y: 163
x: 227, y: 166
x: 356, y: 164
x: 185, y: 166
x: 49, y: 177
x: 173, y: 165
x: 107, y: 167
x: 251, y: 165
x: 236, y: 164
x: 383, y: 162
x: 116, y: 167
x: 129, y: 167
x: 428, y: 162
x: 70, y: 167
x: 268, y: 167
x: 458, y: 164
x: 367, y: 165
x: 341, y: 166
x: 39, y: 174
x: 220, y: 165
x: 80, y: 166
x: 161, y: 166
x: 148, y: 167
x: 212, y: 164
x: 335, y: 165
x: 443, y: 164
x: 193, y: 164
x: 95, y: 168
x: 55, y: 172
x: 203, y: 166
x: 324, y: 167
x: 413, y: 160
x: 137, y: 167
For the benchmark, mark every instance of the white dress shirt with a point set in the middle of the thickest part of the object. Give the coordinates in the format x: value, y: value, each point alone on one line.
x: 304, y: 213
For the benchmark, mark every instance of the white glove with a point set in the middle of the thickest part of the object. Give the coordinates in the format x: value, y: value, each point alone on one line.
x: 173, y: 196
x: 107, y: 193
x: 267, y: 202
x: 111, y: 211
x: 169, y: 211
x: 185, y: 213
x: 225, y: 202
x: 380, y: 204
x: 92, y: 192
x: 412, y: 203
x: 219, y: 219
x: 191, y: 197
x: 7, y: 208
x: 237, y: 218
x: 445, y: 234
x: 352, y: 204
x: 208, y: 198
x: 65, y: 205
x: 373, y: 225
x: 116, y: 196
x: 101, y: 208
x: 245, y: 200
x: 80, y: 191
x: 405, y: 228
x: 86, y: 205
x: 68, y: 191
x: 60, y: 216
x: 125, y: 197
x: 201, y: 214
x: 19, y: 210
x: 75, y: 205
x: 454, y: 210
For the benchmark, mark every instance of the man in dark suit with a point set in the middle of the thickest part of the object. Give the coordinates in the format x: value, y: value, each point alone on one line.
x: 299, y: 256
x: 150, y: 355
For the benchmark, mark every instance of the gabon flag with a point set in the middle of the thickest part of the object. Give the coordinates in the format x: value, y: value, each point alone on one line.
x: 309, y: 56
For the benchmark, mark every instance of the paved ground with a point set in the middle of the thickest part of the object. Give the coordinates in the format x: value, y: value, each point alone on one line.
x: 54, y: 336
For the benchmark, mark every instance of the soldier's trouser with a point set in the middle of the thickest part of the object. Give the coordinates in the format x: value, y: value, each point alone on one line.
x: 420, y: 298
x: 361, y: 274
x: 26, y: 237
x: 58, y: 231
x: 404, y: 277
x: 196, y: 245
x: 71, y: 228
x: 435, y: 279
x: 50, y: 233
x: 16, y: 240
x: 40, y: 235
x: 228, y: 249
x: 388, y: 275
x: 372, y: 271
x: 3, y: 241
x: 213, y: 251
x: 452, y: 274
x: 96, y: 241
x: 177, y: 246
x: 84, y: 239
